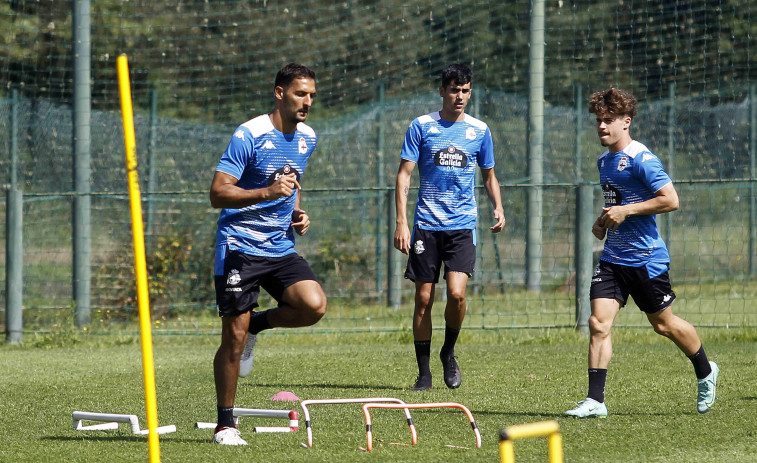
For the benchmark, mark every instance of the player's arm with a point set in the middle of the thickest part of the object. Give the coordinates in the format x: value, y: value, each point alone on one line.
x: 300, y: 218
x: 224, y: 192
x: 492, y: 189
x: 665, y: 200
x: 401, y: 190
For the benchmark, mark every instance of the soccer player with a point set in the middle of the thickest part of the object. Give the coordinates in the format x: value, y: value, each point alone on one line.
x: 447, y: 145
x: 635, y: 260
x: 257, y: 186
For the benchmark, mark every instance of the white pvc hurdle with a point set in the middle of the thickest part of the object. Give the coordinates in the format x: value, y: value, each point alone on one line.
x: 291, y: 415
x: 111, y: 421
x: 405, y: 406
x: 308, y: 424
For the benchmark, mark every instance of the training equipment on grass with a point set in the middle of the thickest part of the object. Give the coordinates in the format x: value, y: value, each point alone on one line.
x: 110, y: 421
x: 292, y: 415
x: 550, y: 428
x: 362, y: 400
x: 285, y: 396
x: 369, y: 425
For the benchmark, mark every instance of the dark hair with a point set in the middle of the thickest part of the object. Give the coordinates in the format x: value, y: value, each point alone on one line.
x: 292, y: 71
x: 458, y: 73
x: 613, y: 102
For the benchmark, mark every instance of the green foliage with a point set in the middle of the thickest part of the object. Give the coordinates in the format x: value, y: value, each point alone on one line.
x: 179, y: 272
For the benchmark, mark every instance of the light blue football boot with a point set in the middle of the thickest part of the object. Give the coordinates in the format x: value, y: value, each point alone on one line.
x: 589, y: 408
x: 706, y: 389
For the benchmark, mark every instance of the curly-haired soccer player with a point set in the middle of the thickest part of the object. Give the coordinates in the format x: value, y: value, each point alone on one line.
x: 635, y: 260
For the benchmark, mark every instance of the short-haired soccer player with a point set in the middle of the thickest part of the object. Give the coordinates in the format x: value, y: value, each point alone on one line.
x: 447, y: 146
x: 635, y: 260
x: 257, y: 185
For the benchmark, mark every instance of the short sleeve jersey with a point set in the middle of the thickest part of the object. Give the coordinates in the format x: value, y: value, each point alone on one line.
x: 631, y: 176
x: 447, y: 154
x: 257, y: 155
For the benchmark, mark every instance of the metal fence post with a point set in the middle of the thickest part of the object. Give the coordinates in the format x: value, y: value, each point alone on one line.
x: 152, y: 168
x: 579, y: 130
x: 584, y: 259
x: 752, y: 169
x: 394, y: 257
x: 670, y: 169
x: 380, y: 182
x: 535, y: 147
x: 82, y: 210
x: 14, y: 266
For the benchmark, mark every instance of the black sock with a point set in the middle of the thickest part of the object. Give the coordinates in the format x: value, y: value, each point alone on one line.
x: 702, y: 366
x: 225, y: 418
x: 597, y: 380
x: 422, y: 354
x: 259, y: 322
x: 450, y: 338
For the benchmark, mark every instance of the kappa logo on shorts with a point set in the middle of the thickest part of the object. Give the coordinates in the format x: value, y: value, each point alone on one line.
x: 418, y: 247
x: 234, y: 278
x: 666, y: 298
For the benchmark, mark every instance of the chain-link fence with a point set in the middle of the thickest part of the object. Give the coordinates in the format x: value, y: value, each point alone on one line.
x: 199, y: 71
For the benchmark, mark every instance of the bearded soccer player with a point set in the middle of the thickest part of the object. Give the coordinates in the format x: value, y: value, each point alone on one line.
x: 257, y: 186
x: 447, y: 146
x: 635, y: 260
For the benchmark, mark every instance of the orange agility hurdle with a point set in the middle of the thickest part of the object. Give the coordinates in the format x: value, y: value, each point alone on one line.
x: 550, y: 428
x: 369, y: 425
x: 308, y: 425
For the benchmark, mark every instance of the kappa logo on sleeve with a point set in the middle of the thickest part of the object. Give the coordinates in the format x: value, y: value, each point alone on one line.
x: 239, y: 134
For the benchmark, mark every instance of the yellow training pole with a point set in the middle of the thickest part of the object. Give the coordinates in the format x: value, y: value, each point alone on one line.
x: 140, y: 267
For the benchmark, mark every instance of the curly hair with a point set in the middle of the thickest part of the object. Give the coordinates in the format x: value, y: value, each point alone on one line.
x: 613, y: 102
x: 457, y: 73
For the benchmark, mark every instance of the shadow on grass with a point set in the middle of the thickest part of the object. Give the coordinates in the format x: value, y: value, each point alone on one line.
x: 121, y: 438
x: 329, y: 386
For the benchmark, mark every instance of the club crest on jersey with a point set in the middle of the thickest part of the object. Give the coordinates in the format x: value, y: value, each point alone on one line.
x: 286, y: 170
x: 622, y: 164
x: 470, y: 134
x: 451, y: 157
x: 302, y: 145
x: 418, y: 247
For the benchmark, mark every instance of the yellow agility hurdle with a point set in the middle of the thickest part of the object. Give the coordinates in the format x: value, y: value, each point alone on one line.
x: 550, y: 428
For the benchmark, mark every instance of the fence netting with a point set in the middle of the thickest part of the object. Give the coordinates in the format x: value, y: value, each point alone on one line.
x: 201, y: 68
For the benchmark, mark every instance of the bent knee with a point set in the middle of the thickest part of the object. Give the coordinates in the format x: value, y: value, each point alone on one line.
x: 598, y: 327
x: 662, y: 329
x: 316, y: 309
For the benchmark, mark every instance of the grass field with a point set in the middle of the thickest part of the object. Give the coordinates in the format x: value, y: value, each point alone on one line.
x: 509, y: 377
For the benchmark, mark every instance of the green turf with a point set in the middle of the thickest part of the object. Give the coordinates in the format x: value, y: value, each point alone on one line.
x: 509, y: 377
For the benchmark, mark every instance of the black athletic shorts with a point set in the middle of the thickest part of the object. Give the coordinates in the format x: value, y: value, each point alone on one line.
x: 429, y: 249
x: 237, y: 290
x: 614, y: 281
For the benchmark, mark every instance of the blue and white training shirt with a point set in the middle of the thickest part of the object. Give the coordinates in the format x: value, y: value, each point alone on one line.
x: 447, y: 154
x: 257, y: 155
x: 629, y: 176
